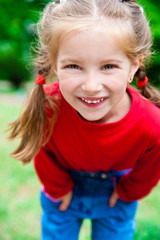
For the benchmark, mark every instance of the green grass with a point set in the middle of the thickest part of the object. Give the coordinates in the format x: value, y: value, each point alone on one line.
x: 19, y: 200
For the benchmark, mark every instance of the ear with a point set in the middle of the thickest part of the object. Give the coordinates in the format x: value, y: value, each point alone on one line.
x: 54, y: 65
x: 134, y: 67
x: 55, y: 70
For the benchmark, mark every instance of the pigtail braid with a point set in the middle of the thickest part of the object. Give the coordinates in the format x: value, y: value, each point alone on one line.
x: 34, y: 127
x: 148, y: 91
x: 42, y: 63
x: 29, y: 126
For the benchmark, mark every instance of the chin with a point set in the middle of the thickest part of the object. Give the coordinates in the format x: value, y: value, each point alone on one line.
x: 91, y: 119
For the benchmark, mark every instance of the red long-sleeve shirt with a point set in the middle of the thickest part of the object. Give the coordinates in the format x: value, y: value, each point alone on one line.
x: 131, y: 143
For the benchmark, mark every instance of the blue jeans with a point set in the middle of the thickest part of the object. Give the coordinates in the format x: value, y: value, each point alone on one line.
x: 91, y: 194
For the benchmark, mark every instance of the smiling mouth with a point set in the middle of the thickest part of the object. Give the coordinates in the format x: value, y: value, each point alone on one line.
x: 92, y: 101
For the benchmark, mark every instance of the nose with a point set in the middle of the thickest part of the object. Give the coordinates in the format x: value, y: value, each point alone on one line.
x: 91, y: 83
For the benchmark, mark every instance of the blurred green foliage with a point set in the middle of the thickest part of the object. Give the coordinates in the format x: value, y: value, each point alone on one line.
x: 18, y: 34
x: 152, y: 12
x: 18, y: 31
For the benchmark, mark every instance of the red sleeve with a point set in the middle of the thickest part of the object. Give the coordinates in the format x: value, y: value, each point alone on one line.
x: 56, y: 180
x: 143, y: 178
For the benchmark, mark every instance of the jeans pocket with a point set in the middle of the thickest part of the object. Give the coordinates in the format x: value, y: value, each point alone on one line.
x: 126, y: 210
x: 47, y: 204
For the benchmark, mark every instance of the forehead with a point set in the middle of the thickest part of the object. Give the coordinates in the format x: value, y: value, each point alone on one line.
x: 117, y: 29
x: 94, y: 42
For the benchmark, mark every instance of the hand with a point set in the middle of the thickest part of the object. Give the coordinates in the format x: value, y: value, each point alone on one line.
x: 65, y: 201
x: 113, y: 199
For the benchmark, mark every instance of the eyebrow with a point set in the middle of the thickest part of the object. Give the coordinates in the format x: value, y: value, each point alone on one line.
x: 112, y: 60
x: 65, y: 60
x: 77, y: 61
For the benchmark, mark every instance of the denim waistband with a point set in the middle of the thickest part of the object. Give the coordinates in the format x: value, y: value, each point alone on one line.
x: 95, y: 183
x: 99, y: 175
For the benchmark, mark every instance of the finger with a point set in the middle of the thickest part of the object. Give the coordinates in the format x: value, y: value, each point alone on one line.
x: 113, y: 200
x: 65, y: 203
x: 63, y: 206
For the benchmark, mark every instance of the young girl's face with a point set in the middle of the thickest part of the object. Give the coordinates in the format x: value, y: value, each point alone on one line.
x: 93, y: 73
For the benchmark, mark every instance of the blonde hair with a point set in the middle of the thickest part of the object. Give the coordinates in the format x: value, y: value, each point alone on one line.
x: 132, y: 31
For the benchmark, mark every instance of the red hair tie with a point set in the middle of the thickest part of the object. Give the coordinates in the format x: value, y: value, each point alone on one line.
x: 142, y: 83
x: 40, y: 80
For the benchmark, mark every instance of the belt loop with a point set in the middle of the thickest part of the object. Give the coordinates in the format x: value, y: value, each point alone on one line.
x: 92, y: 174
x: 103, y: 176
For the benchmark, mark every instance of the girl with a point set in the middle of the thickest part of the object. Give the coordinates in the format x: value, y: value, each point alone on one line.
x: 95, y: 140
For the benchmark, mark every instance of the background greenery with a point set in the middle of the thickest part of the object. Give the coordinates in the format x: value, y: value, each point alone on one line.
x: 18, y: 35
x: 19, y: 187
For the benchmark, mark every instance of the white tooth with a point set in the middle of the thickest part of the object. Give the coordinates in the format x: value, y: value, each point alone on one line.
x: 92, y: 101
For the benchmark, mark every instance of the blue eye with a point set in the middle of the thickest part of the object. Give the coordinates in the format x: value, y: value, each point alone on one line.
x: 73, y: 66
x: 108, y: 66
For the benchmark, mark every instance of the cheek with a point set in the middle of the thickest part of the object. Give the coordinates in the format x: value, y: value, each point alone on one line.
x: 116, y: 83
x: 68, y: 81
x: 66, y: 87
x: 66, y: 84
